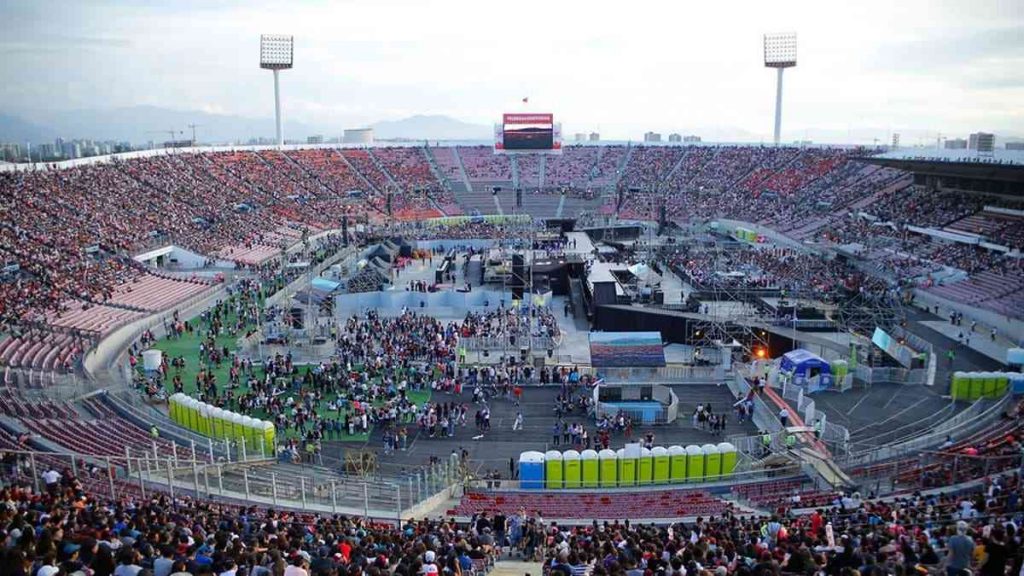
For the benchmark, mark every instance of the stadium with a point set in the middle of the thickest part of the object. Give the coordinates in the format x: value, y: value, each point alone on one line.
x: 680, y: 358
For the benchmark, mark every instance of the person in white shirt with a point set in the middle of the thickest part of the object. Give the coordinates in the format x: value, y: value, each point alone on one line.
x: 297, y: 567
x: 52, y: 479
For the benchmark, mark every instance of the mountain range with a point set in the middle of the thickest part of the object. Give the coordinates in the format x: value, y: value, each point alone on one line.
x: 140, y: 124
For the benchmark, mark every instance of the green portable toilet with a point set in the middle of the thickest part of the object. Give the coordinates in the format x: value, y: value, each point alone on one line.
x: 571, y: 466
x: 661, y: 464
x: 590, y: 471
x: 959, y: 389
x: 609, y: 462
x: 712, y: 462
x: 694, y: 464
x: 977, y: 385
x: 729, y: 455
x: 627, y: 467
x: 204, y: 420
x: 645, y: 469
x: 989, y: 387
x: 552, y: 469
x: 677, y: 464
x: 1002, y: 383
x: 172, y: 406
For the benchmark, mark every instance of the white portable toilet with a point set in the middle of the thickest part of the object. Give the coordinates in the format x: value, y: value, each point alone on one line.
x: 151, y: 359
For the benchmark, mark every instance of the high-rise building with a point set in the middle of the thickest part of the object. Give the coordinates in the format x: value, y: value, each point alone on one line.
x: 982, y: 142
x: 896, y: 141
x: 1015, y: 145
x: 316, y: 139
x: 595, y: 137
x: 652, y: 137
x: 691, y: 139
x: 956, y: 144
x: 675, y: 137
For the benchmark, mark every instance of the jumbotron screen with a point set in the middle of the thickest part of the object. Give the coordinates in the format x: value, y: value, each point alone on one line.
x: 528, y: 132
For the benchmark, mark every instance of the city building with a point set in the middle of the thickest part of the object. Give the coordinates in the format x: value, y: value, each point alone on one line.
x: 1015, y: 145
x: 652, y: 137
x: 358, y: 136
x: 675, y: 137
x: 316, y: 139
x: 595, y: 137
x: 956, y: 144
x: 982, y: 142
x: 691, y: 139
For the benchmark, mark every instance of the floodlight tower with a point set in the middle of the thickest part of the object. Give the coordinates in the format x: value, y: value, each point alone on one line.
x: 276, y: 53
x: 779, y: 53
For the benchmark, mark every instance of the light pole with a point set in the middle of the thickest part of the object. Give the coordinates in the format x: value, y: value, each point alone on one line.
x: 779, y: 53
x: 276, y: 53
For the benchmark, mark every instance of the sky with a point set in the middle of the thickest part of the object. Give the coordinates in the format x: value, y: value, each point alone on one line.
x: 618, y: 67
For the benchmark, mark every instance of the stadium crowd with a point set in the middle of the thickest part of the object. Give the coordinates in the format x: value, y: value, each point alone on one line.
x: 69, y: 530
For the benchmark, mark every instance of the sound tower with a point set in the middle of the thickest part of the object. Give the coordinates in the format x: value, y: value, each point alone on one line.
x: 518, y: 276
x: 344, y: 230
x: 661, y: 218
x: 519, y: 197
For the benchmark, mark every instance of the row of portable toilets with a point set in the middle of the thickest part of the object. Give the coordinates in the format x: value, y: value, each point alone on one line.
x: 975, y: 385
x: 626, y: 466
x: 209, y: 420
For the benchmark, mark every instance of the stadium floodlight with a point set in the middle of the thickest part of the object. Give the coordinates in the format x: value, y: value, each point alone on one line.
x: 779, y: 53
x: 277, y: 53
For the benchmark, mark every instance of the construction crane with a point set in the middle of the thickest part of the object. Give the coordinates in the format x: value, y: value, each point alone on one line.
x: 170, y: 133
x: 193, y: 127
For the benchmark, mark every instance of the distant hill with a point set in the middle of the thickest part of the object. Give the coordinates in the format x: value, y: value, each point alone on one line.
x: 18, y: 130
x: 140, y: 124
x: 430, y: 127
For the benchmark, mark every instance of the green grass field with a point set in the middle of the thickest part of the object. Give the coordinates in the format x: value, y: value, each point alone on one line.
x: 188, y: 347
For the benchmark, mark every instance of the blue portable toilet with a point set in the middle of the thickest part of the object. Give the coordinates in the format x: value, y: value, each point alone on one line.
x: 531, y: 470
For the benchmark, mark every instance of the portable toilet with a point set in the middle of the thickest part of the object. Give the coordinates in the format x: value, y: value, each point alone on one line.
x: 204, y: 420
x: 609, y: 463
x: 989, y: 386
x: 553, y: 469
x: 234, y: 429
x: 571, y: 464
x: 694, y: 464
x: 1015, y: 381
x: 218, y: 416
x: 531, y: 470
x: 627, y: 468
x: 661, y: 464
x: 590, y: 470
x: 712, y: 462
x: 729, y: 455
x: 195, y: 414
x: 960, y: 386
x: 173, y: 403
x: 269, y: 437
x: 645, y: 468
x: 975, y: 386
x: 1002, y: 383
x: 677, y: 464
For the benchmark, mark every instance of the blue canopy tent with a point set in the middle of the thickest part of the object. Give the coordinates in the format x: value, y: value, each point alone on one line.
x: 807, y: 369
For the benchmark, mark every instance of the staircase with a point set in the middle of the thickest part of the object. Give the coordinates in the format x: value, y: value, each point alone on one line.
x: 462, y: 169
x: 434, y: 168
x: 515, y: 171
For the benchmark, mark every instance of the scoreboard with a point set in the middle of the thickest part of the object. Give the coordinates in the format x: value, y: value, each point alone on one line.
x: 528, y: 133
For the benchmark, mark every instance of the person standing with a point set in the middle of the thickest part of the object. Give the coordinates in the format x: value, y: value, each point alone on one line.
x: 518, y: 424
x: 960, y: 552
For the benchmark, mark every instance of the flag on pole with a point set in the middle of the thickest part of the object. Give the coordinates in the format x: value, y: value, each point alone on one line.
x: 526, y: 99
